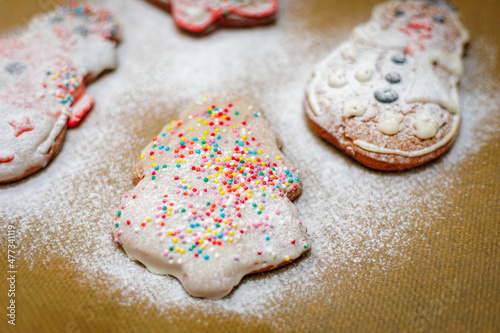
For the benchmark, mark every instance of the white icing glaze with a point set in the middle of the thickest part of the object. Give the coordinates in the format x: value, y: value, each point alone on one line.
x: 426, y: 127
x: 56, y: 130
x: 390, y: 123
x: 353, y: 108
x: 214, y: 242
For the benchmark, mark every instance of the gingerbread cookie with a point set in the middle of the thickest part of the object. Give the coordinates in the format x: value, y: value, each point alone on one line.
x: 199, y: 16
x: 212, y: 200
x: 388, y: 95
x: 43, y: 73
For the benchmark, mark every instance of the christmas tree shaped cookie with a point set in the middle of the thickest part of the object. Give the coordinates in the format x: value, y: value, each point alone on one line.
x: 212, y: 199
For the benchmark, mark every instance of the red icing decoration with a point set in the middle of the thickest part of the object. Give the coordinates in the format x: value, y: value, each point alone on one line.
x: 6, y: 159
x: 21, y: 126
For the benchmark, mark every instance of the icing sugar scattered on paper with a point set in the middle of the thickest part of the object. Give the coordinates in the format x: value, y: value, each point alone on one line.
x: 354, y: 216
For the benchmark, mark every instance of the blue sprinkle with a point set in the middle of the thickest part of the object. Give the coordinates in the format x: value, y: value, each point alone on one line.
x: 195, y: 139
x: 222, y: 215
x: 163, y: 134
x: 256, y: 114
x: 178, y: 165
x: 198, y: 151
x: 268, y: 238
x: 241, y: 143
x: 277, y: 186
x: 167, y: 149
x: 197, y: 224
x: 219, y: 236
x: 161, y: 147
x: 185, y: 187
x: 200, y: 251
x: 206, y: 257
x: 192, y: 225
x: 157, y: 167
x: 296, y: 179
x: 218, y: 137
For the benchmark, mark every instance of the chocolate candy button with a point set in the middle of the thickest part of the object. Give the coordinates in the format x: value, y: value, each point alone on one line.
x: 386, y: 95
x: 393, y: 77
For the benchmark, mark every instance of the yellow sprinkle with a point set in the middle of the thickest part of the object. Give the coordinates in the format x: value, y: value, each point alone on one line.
x: 262, y: 163
x: 142, y: 157
x: 189, y: 231
x: 203, y: 138
x: 259, y: 152
x: 234, y: 126
x: 148, y: 219
x: 225, y: 221
x: 200, y: 120
x: 209, y: 164
x: 169, y: 214
x: 205, y: 132
x: 200, y: 241
x: 209, y: 230
x: 217, y: 130
x: 169, y: 128
x: 249, y: 191
x: 287, y: 258
x: 153, y: 165
x: 237, y: 186
x: 178, y: 160
x: 209, y: 177
x: 152, y: 157
x: 184, y: 181
x: 248, y: 160
x: 257, y: 182
x: 224, y: 117
x: 170, y: 208
x: 174, y: 240
x: 279, y: 158
x: 191, y: 129
x: 231, y: 233
x: 215, y: 232
x: 178, y: 249
x: 190, y: 187
x: 235, y: 226
x: 220, y: 188
x: 169, y: 233
x: 222, y: 193
x: 262, y: 188
x: 205, y: 122
x: 173, y: 122
x: 287, y: 184
x: 203, y: 247
x: 205, y: 237
x: 231, y: 240
x: 182, y: 251
x: 261, y: 207
x: 249, y: 196
x: 243, y: 137
x: 274, y: 195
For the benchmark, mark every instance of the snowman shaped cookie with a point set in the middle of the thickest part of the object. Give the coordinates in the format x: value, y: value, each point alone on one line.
x: 388, y: 95
x: 43, y: 73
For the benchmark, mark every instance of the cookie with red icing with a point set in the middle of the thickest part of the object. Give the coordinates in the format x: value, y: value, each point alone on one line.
x: 43, y: 72
x: 212, y: 199
x: 199, y: 16
x: 388, y: 95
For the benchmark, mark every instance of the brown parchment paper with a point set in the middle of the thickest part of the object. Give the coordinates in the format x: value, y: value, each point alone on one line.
x: 448, y: 279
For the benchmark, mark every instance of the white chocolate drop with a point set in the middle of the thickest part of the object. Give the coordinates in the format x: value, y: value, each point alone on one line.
x: 337, y: 79
x: 364, y: 73
x: 426, y: 127
x: 390, y: 123
x: 195, y: 13
x: 353, y: 108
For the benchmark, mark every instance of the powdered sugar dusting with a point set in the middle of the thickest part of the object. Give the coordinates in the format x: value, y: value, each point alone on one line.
x: 354, y: 216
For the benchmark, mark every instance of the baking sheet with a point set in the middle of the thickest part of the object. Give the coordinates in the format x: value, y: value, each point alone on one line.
x: 412, y: 251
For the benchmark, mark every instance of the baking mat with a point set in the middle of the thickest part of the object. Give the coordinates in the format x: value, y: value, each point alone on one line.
x: 411, y: 251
